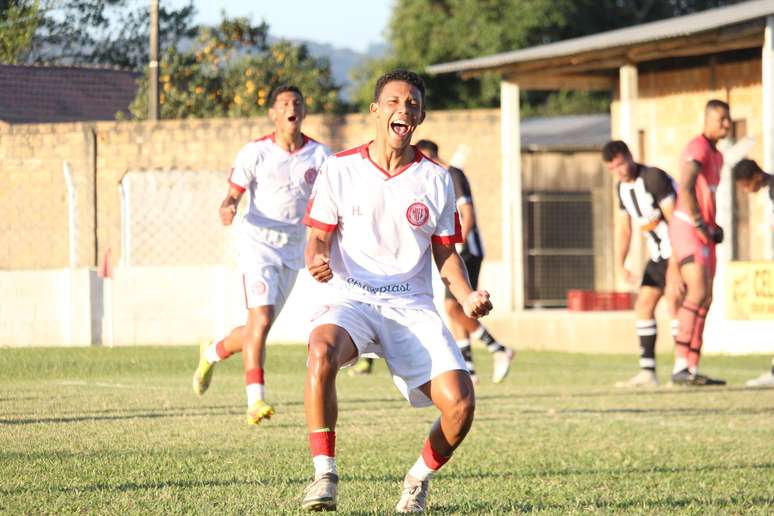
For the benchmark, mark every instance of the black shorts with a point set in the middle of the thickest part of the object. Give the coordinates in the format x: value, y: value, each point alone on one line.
x: 655, y: 274
x: 473, y: 265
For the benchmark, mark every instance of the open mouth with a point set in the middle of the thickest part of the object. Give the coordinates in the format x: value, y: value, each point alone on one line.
x: 292, y: 118
x: 400, y: 127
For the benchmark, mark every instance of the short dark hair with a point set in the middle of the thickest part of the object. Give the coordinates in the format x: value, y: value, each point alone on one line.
x: 282, y: 89
x: 615, y: 148
x: 403, y: 76
x: 427, y: 145
x: 745, y: 170
x: 716, y: 104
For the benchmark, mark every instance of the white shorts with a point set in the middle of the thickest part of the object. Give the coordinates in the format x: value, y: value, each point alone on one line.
x: 266, y: 280
x: 415, y: 343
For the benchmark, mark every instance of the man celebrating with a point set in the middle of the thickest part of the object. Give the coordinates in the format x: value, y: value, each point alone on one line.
x: 472, y: 253
x: 279, y: 171
x: 750, y: 178
x: 694, y: 235
x: 378, y: 213
x: 646, y: 196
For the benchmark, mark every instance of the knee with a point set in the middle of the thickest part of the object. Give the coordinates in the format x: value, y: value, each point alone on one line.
x: 643, y: 307
x: 259, y: 326
x: 322, y: 352
x: 462, y: 410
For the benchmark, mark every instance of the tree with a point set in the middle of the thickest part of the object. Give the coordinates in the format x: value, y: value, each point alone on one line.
x: 231, y: 70
x: 423, y: 32
x: 107, y: 32
x: 18, y: 21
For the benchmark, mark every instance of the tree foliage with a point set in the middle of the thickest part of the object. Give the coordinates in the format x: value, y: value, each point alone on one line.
x: 230, y: 71
x: 19, y: 19
x: 423, y: 32
x: 110, y: 32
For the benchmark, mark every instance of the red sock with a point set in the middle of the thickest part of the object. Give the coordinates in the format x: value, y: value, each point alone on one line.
x: 697, y: 339
x: 220, y: 349
x: 254, y: 376
x: 323, y: 443
x: 686, y: 322
x: 432, y: 459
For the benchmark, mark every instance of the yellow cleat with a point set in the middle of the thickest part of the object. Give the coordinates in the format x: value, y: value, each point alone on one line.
x: 203, y: 375
x: 259, y: 411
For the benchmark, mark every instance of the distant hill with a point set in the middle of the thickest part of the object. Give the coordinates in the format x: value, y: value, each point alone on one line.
x: 343, y: 60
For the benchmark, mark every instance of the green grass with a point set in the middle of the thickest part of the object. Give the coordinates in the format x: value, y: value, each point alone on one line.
x: 119, y: 431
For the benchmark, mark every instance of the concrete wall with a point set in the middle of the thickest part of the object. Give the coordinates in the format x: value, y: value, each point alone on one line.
x: 33, y: 205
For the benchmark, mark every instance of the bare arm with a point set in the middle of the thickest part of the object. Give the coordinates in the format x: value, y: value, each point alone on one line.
x: 624, y: 241
x: 228, y: 207
x: 476, y: 303
x: 467, y: 219
x: 689, y: 172
x: 317, y: 254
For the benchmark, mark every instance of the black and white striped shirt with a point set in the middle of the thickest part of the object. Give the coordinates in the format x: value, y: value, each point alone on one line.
x: 473, y: 244
x: 641, y: 199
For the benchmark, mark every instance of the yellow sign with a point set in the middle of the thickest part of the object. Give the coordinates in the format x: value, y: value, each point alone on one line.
x: 750, y: 290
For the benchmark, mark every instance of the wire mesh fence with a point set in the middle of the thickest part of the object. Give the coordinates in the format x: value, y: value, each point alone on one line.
x: 170, y: 218
x: 559, y: 246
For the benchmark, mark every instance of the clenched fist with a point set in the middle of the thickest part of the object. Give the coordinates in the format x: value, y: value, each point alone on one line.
x: 477, y: 304
x: 320, y: 269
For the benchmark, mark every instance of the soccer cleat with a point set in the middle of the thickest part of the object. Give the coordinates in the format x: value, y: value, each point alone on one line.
x: 414, y: 496
x: 701, y: 380
x: 362, y: 367
x: 258, y: 411
x: 645, y: 378
x: 682, y: 377
x: 320, y: 495
x: 502, y: 364
x: 203, y: 374
x: 764, y: 380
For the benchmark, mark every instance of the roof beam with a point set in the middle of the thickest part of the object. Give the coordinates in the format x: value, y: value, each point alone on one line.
x: 563, y: 82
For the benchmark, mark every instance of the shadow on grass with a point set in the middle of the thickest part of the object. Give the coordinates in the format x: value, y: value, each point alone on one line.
x: 663, y: 391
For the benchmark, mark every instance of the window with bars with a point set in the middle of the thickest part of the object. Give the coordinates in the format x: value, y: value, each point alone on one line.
x: 559, y: 247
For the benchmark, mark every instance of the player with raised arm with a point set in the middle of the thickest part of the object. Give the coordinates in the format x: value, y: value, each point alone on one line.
x: 278, y: 171
x: 750, y: 178
x: 471, y: 251
x: 694, y: 235
x: 646, y: 197
x: 379, y: 213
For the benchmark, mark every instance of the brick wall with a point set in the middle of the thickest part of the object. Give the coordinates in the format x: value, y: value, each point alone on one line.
x: 33, y: 204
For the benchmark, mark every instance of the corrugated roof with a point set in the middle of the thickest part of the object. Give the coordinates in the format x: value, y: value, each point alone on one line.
x: 565, y: 132
x: 644, y: 33
x: 45, y: 94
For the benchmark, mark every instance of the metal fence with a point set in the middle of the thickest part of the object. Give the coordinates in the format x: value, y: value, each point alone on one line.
x: 171, y: 218
x: 559, y: 246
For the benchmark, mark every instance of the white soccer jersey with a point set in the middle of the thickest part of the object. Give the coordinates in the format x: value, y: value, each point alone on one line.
x: 279, y: 184
x: 641, y: 199
x: 384, y: 226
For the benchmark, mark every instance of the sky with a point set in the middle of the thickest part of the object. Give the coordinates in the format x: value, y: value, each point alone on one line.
x: 353, y: 24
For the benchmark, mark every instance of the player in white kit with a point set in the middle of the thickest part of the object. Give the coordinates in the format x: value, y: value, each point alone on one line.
x: 378, y: 213
x: 278, y: 171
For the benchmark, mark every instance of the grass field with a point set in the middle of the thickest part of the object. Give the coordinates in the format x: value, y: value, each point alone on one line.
x: 119, y: 431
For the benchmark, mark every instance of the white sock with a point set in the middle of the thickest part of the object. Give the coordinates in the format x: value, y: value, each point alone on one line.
x: 254, y: 393
x: 324, y: 464
x: 478, y: 333
x: 420, y: 470
x: 211, y: 353
x: 680, y: 364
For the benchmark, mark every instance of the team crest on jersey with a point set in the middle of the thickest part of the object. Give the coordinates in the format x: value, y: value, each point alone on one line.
x: 310, y: 175
x: 417, y: 214
x: 258, y: 288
